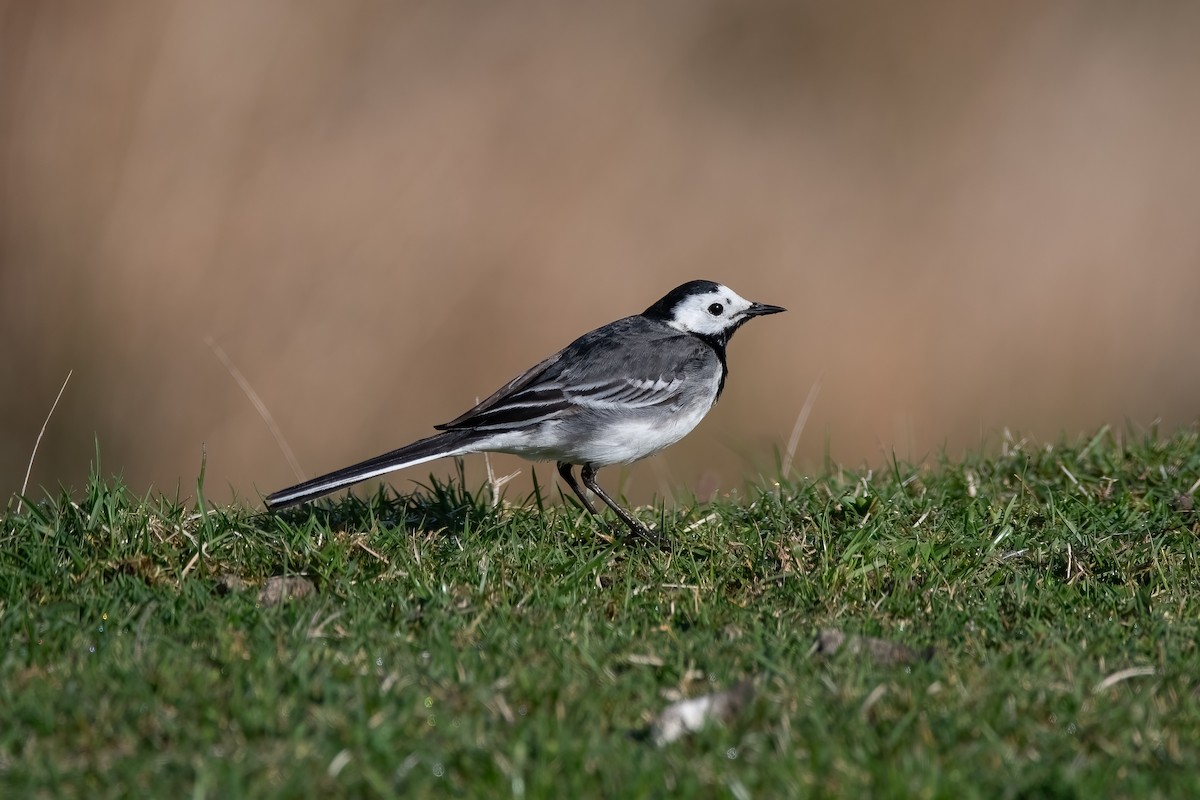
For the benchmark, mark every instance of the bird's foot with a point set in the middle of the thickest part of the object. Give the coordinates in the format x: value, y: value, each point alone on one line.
x: 642, y: 535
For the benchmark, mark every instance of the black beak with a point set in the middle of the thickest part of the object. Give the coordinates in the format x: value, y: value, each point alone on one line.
x: 762, y: 309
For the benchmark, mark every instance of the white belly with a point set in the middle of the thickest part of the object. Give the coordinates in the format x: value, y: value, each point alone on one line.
x: 603, y: 439
x: 629, y: 440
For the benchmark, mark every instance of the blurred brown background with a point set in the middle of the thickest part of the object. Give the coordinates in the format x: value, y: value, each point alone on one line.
x: 980, y: 215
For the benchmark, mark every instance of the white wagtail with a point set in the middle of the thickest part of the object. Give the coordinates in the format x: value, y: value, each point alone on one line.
x: 613, y: 396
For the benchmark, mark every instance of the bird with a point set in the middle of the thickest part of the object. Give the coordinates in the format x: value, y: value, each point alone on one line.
x: 617, y: 394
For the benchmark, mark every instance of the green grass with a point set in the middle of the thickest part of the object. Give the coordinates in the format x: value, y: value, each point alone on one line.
x: 453, y: 649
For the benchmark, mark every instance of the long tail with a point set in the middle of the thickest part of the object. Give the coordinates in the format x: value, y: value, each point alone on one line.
x: 451, y: 443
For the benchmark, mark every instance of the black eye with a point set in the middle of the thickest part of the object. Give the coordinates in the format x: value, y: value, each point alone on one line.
x: 715, y: 309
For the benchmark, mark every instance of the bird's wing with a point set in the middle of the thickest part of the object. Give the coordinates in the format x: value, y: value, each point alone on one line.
x: 528, y: 396
x: 584, y: 376
x: 630, y: 393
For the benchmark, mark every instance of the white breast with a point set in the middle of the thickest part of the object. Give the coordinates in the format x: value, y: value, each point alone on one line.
x: 603, y: 439
x: 630, y: 439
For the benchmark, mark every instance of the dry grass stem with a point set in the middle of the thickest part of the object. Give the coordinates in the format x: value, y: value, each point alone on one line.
x: 797, y: 429
x: 700, y: 523
x: 41, y: 433
x: 496, y: 484
x: 259, y: 406
x: 1122, y: 675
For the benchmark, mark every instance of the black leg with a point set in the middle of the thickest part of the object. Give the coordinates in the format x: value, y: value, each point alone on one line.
x: 588, y: 473
x: 564, y: 469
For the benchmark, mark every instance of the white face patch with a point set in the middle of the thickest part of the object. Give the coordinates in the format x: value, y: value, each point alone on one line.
x: 710, y: 313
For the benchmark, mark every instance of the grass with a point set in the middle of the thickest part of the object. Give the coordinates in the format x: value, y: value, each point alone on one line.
x: 454, y: 649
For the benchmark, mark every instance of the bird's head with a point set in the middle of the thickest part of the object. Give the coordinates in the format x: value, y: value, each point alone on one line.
x: 707, y: 309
